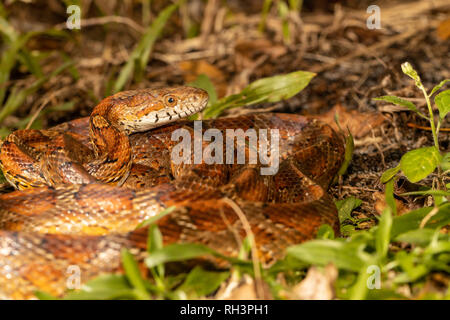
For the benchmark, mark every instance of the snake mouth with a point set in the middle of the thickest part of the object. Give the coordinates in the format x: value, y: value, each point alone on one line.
x: 189, y: 101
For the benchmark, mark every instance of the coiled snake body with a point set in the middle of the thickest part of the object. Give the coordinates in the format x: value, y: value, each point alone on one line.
x: 89, y: 182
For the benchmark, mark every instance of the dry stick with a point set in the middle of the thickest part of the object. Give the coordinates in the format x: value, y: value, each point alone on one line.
x: 428, y: 217
x: 38, y: 111
x: 246, y: 225
x: 365, y: 50
x: 413, y: 125
x: 104, y: 20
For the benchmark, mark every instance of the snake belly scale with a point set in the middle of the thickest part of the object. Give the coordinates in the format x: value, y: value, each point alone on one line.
x: 84, y: 186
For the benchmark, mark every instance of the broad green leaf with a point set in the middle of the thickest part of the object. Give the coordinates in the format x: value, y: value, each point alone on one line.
x: 419, y: 163
x: 413, y: 270
x: 271, y: 89
x: 203, y: 282
x: 389, y: 174
x: 440, y: 85
x: 437, y: 246
x: 287, y: 264
x: 104, y: 287
x: 345, y: 255
x: 412, y: 220
x: 421, y: 237
x: 182, y: 251
x: 346, y: 206
x: 133, y: 273
x: 442, y: 101
x: 278, y: 88
x: 383, y: 233
x: 400, y: 102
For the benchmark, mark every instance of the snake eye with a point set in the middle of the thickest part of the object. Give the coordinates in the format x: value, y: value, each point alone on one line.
x: 170, y: 101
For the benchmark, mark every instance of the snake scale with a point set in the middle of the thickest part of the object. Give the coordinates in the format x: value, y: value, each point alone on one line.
x: 85, y: 185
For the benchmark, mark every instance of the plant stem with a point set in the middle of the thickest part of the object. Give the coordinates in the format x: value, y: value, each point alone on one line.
x: 430, y: 110
x: 441, y: 184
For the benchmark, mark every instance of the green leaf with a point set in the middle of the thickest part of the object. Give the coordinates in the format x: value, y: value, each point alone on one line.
x: 104, y: 287
x: 429, y: 192
x: 347, y: 230
x: 389, y: 196
x: 442, y: 101
x: 400, y: 102
x: 133, y: 273
x: 203, y: 82
x: 359, y: 290
x: 271, y: 89
x: 349, y: 148
x: 155, y: 242
x: 440, y: 85
x: 180, y: 252
x: 264, y: 12
x: 155, y: 218
x: 389, y: 174
x: 17, y: 97
x: 419, y: 163
x: 141, y: 54
x: 325, y: 232
x: 421, y: 237
x: 445, y: 163
x: 407, y: 262
x: 383, y: 233
x: 412, y: 220
x: 41, y: 295
x: 203, y: 282
x: 346, y: 206
x: 345, y: 255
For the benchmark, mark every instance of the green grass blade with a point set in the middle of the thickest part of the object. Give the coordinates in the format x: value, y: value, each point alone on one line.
x: 141, y: 54
x: 17, y: 97
x: 133, y: 274
x: 271, y: 89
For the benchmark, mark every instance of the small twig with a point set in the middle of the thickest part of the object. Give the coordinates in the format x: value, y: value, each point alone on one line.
x: 365, y: 51
x: 104, y: 20
x: 36, y: 114
x: 246, y: 225
x: 428, y: 217
x: 413, y: 125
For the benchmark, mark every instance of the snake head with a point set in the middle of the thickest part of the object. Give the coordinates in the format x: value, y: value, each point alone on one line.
x: 141, y: 110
